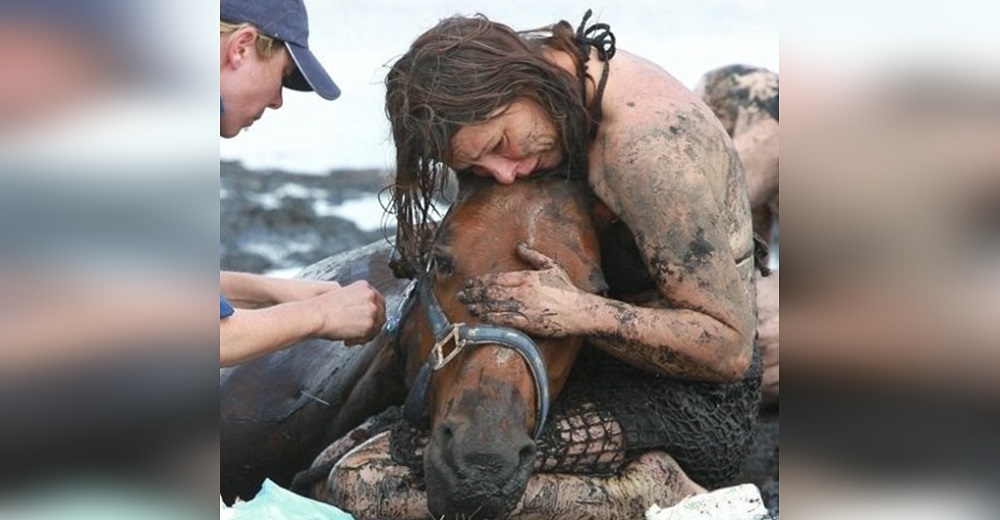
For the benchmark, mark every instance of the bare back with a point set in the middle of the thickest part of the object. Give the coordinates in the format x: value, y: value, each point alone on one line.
x: 666, y: 168
x: 648, y: 111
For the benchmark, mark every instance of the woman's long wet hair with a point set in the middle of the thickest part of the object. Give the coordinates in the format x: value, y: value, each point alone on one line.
x: 464, y: 71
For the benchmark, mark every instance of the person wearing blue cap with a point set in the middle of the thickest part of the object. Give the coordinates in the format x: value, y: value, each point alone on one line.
x: 278, y: 30
x: 264, y: 46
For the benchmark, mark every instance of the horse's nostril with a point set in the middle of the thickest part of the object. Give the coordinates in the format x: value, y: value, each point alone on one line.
x: 446, y: 433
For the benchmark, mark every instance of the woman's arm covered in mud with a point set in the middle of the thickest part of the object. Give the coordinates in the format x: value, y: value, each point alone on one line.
x: 663, y: 180
x: 667, y: 179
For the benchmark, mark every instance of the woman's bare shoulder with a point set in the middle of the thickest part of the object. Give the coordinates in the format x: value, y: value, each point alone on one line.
x: 632, y: 76
x: 643, y: 101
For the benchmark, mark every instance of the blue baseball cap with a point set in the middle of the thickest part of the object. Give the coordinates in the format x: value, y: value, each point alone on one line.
x: 285, y: 20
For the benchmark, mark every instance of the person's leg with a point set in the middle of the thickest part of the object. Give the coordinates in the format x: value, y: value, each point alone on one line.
x: 653, y: 478
x: 768, y: 334
x: 369, y: 484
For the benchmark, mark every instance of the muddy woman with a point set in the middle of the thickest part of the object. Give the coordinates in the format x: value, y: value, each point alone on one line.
x: 662, y: 402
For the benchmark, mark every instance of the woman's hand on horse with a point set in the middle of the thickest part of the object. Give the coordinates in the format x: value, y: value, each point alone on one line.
x: 537, y: 302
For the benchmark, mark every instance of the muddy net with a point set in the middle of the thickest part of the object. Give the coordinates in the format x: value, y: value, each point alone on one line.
x: 610, y: 413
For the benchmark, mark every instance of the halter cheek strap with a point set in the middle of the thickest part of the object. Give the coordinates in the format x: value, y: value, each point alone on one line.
x: 459, y: 336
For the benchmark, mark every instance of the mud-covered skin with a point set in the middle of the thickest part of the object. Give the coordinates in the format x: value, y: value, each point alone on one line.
x: 665, y: 168
x: 550, y: 275
x: 745, y: 99
x: 369, y: 484
x: 659, y: 180
x: 740, y: 95
x: 652, y: 478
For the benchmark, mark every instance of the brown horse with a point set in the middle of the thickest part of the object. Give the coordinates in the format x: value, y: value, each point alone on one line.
x: 485, y: 406
x: 483, y: 391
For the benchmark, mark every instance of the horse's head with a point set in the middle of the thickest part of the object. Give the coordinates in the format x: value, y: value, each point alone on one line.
x: 487, y: 403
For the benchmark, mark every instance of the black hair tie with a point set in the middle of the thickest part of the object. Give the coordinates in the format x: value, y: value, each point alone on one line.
x: 598, y: 36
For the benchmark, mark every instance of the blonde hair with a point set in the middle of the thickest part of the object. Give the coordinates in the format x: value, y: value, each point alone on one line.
x: 266, y: 45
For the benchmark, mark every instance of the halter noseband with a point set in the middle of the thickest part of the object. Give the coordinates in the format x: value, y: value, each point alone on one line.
x: 462, y: 336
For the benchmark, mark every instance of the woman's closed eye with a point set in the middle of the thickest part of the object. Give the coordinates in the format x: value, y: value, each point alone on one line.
x: 501, y: 145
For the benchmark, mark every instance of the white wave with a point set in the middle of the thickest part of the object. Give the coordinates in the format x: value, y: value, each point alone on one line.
x: 298, y: 191
x: 365, y: 212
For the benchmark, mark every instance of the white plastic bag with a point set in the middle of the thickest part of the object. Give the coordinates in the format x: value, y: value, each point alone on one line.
x: 276, y: 503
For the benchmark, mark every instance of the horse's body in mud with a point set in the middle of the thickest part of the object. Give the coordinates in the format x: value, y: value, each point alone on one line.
x: 277, y: 412
x: 482, y: 410
x: 485, y: 407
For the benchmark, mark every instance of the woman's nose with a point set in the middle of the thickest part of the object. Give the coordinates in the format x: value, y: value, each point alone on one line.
x: 502, y: 169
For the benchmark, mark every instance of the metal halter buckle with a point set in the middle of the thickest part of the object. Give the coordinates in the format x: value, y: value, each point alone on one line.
x: 441, y: 359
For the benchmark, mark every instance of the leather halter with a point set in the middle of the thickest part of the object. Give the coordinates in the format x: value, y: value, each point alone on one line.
x: 460, y: 336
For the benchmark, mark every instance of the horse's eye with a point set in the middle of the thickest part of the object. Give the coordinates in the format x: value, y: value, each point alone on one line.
x: 444, y: 265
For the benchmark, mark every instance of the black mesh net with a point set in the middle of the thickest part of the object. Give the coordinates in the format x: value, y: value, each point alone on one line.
x: 610, y: 413
x: 581, y: 439
x: 707, y: 427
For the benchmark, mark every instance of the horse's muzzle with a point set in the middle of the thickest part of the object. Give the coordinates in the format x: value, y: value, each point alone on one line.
x: 469, y: 475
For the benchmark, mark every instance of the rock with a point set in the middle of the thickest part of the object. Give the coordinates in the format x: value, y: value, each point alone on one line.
x: 269, y: 219
x: 741, y: 502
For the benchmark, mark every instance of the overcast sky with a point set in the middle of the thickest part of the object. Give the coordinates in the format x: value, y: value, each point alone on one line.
x: 356, y: 40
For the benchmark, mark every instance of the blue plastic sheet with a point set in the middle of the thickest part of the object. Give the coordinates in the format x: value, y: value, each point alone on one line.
x: 276, y: 503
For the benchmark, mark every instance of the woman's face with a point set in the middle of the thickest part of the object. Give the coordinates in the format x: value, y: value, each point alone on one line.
x: 515, y: 143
